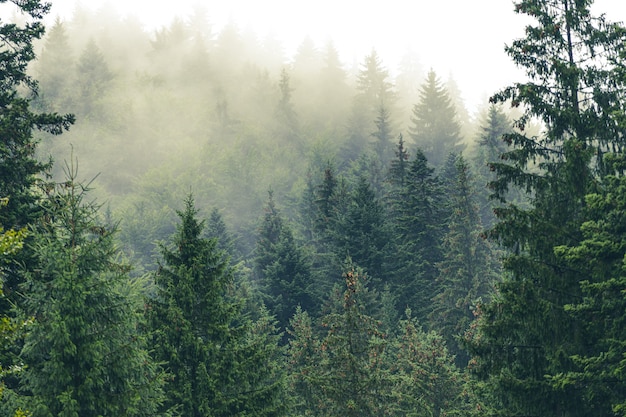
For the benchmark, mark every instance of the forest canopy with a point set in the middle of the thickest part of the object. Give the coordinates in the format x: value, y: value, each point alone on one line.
x: 194, y: 224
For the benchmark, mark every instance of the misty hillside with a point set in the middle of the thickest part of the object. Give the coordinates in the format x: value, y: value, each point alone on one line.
x: 223, y: 114
x: 194, y: 223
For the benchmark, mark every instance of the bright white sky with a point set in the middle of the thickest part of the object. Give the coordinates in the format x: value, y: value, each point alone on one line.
x: 462, y: 38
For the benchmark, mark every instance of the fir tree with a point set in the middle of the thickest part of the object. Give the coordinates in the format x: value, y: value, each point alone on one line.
x: 222, y: 362
x: 468, y: 270
x: 418, y: 213
x: 85, y: 316
x: 434, y: 126
x: 527, y: 340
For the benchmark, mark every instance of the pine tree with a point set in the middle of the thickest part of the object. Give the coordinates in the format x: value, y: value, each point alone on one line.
x: 190, y: 319
x: 18, y: 167
x: 347, y: 373
x: 85, y: 317
x: 418, y: 212
x: 490, y: 148
x: 601, y: 310
x: 526, y: 338
x: 468, y: 269
x: 52, y: 69
x: 434, y: 126
x: 282, y: 268
x: 375, y: 91
x: 361, y: 232
x: 221, y: 362
x: 427, y: 381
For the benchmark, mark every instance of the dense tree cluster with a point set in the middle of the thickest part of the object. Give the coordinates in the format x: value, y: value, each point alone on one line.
x: 448, y: 274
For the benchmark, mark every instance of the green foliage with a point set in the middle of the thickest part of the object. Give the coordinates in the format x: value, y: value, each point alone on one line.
x: 434, y: 126
x: 343, y: 372
x: 527, y: 339
x: 84, y: 332
x: 468, y: 270
x: 283, y: 270
x: 212, y: 351
x: 600, y: 363
x: 417, y: 205
x: 427, y: 382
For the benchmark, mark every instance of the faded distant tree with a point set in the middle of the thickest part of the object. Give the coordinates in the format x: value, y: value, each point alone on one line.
x: 54, y: 62
x: 93, y: 80
x: 434, y: 124
x: 374, y: 90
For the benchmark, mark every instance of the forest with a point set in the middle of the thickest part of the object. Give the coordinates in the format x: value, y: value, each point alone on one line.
x: 194, y: 224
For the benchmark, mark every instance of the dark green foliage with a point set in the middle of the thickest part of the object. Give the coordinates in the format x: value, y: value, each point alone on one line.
x: 426, y: 380
x: 468, y: 270
x: 434, y: 126
x: 418, y: 208
x: 18, y: 166
x: 599, y: 374
x: 343, y: 372
x: 283, y: 271
x: 527, y: 338
x: 361, y: 232
x: 212, y: 351
x: 491, y: 147
x: 83, y: 353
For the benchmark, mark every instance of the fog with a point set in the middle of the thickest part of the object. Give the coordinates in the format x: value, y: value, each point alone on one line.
x: 231, y: 101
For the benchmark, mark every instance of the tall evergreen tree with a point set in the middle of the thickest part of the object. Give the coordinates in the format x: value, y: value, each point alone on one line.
x: 347, y: 374
x: 491, y: 147
x: 54, y: 61
x: 18, y: 167
x: 527, y: 339
x: 418, y: 212
x: 434, y: 126
x: 282, y: 268
x: 599, y: 374
x: 211, y: 350
x: 468, y: 269
x: 85, y: 316
x: 361, y: 232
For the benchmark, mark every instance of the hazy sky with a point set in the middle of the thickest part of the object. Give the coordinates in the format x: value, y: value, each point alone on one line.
x: 464, y: 38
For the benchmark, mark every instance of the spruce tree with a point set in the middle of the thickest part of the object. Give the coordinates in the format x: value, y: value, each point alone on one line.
x: 221, y: 361
x: 491, y: 147
x: 83, y: 353
x: 418, y: 212
x: 526, y: 338
x: 347, y: 373
x: 361, y: 232
x: 468, y: 269
x: 282, y: 268
x: 434, y: 126
x: 19, y: 169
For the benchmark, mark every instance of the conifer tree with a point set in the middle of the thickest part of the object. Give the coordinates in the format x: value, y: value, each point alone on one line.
x: 434, y: 126
x: 18, y: 166
x: 491, y: 147
x: 222, y: 362
x: 468, y: 269
x: 527, y: 340
x: 427, y: 381
x: 347, y: 374
x: 418, y: 214
x: 599, y: 373
x: 361, y: 232
x: 282, y: 269
x: 83, y: 353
